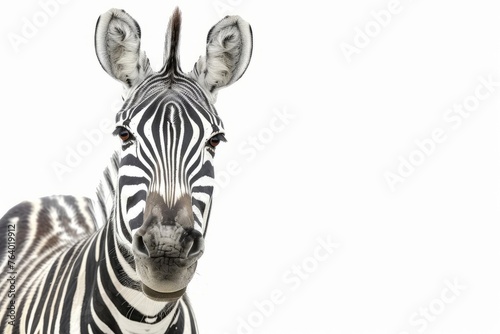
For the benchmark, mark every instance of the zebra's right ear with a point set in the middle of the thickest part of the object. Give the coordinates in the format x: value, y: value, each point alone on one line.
x: 228, y: 53
x: 118, y: 48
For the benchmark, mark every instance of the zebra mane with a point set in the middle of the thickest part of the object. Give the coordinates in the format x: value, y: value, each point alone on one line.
x: 171, y: 62
x: 105, y: 193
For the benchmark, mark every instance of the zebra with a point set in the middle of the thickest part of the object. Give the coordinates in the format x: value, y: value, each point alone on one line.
x: 121, y: 263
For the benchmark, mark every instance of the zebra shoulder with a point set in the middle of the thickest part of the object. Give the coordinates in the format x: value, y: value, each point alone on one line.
x: 55, y: 221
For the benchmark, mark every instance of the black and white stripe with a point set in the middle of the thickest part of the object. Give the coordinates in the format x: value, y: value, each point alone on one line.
x: 121, y: 263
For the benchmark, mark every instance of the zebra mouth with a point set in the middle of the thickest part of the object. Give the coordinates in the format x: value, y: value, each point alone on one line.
x: 162, y: 296
x: 166, y: 257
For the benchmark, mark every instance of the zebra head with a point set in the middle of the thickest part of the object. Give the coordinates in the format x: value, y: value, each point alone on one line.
x: 168, y: 130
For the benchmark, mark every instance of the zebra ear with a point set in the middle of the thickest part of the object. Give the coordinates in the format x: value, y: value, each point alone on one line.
x: 117, y: 45
x: 229, y: 49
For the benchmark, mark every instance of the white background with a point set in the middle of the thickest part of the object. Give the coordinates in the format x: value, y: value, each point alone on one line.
x: 321, y: 177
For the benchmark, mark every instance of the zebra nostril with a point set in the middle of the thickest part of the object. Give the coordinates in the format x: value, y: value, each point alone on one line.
x: 197, y: 245
x: 139, y: 245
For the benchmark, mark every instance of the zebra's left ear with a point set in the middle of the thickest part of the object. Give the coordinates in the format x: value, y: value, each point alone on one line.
x: 118, y: 48
x: 229, y: 50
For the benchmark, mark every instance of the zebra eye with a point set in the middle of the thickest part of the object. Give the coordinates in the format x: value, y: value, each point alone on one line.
x: 124, y: 134
x: 215, y: 140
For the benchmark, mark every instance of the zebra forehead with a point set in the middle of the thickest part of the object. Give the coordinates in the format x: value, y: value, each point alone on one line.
x: 174, y: 102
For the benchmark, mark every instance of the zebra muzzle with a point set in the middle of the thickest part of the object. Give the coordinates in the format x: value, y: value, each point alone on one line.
x: 166, y: 258
x: 170, y: 244
x: 166, y: 248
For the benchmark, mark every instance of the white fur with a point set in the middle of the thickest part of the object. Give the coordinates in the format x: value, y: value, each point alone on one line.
x: 228, y: 52
x: 118, y: 42
x: 229, y: 49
